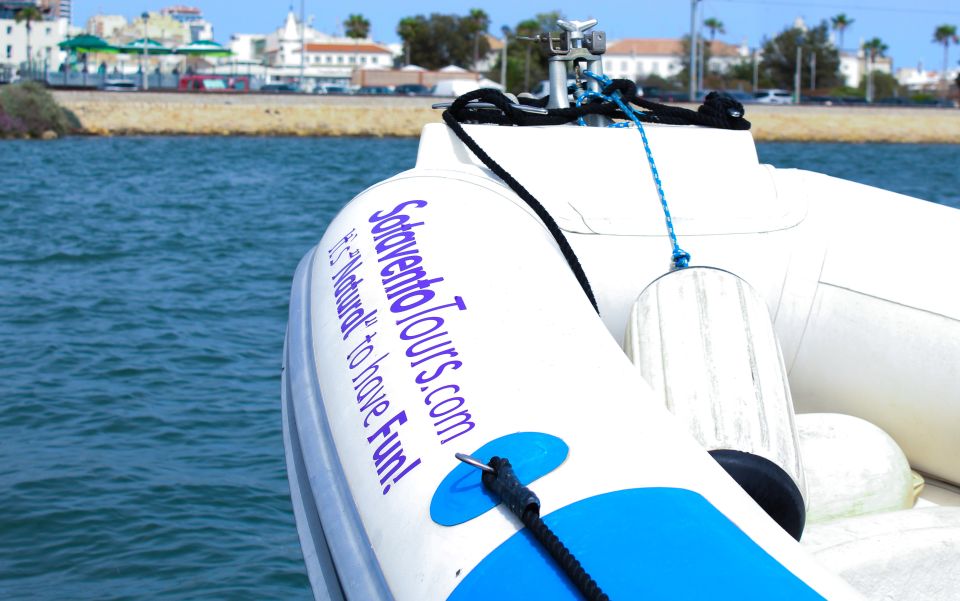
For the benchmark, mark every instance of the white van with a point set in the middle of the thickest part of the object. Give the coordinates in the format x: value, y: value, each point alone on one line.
x: 458, y: 87
x: 773, y: 97
x: 454, y: 87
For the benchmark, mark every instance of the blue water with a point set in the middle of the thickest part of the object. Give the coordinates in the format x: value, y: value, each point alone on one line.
x: 143, y: 296
x: 927, y: 171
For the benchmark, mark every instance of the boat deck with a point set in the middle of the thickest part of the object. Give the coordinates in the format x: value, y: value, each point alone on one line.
x: 938, y: 493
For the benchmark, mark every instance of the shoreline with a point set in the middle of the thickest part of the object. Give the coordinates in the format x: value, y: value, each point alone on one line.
x: 166, y: 113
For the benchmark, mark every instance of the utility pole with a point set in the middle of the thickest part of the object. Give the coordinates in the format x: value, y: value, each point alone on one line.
x: 796, y: 76
x: 693, y: 50
x: 303, y: 45
x: 503, y: 59
x: 813, y: 71
x: 701, y: 59
x: 756, y: 68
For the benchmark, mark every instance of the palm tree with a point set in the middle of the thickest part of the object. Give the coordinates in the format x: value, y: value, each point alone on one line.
x: 714, y: 25
x: 872, y: 49
x: 408, y: 29
x: 840, y: 24
x: 357, y: 27
x: 28, y: 15
x: 875, y: 47
x: 479, y: 22
x: 945, y: 34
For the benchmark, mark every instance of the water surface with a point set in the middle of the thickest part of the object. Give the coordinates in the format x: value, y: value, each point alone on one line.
x: 143, y: 299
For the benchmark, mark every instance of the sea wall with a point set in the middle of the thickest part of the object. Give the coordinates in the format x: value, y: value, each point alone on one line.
x: 151, y: 113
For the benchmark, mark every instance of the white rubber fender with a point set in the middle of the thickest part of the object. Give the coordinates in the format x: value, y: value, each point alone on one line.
x: 851, y: 468
x: 703, y: 340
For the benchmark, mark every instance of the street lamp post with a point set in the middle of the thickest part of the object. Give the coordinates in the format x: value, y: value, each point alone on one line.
x: 143, y: 53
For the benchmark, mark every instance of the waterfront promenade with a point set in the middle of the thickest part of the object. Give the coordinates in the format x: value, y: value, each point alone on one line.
x: 151, y: 113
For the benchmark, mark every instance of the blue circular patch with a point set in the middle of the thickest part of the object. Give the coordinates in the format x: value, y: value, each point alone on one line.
x: 461, y: 496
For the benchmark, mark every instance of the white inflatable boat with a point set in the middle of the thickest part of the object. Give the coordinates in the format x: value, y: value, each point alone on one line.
x: 799, y: 378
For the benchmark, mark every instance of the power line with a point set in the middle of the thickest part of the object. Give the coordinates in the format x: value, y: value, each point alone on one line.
x: 842, y: 6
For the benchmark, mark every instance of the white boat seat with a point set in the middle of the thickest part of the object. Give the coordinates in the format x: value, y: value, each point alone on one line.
x: 911, y: 555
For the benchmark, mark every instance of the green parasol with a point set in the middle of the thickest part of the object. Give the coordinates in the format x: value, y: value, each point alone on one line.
x: 144, y: 46
x: 88, y: 44
x: 203, y: 48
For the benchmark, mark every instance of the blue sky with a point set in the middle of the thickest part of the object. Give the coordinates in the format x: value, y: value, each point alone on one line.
x: 906, y: 27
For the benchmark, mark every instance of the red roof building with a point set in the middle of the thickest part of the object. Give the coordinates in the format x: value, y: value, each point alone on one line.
x: 362, y: 54
x: 637, y: 58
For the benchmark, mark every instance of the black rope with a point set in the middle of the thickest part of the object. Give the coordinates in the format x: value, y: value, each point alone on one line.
x: 719, y: 110
x: 523, y: 503
x: 533, y: 203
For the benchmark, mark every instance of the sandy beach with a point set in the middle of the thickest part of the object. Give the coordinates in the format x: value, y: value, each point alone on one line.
x: 151, y: 113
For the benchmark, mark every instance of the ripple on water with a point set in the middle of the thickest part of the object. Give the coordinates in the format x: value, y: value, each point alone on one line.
x: 143, y: 298
x: 142, y: 312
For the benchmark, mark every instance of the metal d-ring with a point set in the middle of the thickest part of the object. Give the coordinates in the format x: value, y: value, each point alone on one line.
x: 469, y: 460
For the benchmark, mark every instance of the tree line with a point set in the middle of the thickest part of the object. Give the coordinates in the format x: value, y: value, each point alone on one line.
x: 436, y: 40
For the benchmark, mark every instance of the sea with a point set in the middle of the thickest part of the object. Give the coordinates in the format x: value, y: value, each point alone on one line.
x: 143, y: 301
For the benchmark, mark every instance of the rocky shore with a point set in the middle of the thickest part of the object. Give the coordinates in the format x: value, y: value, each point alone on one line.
x: 152, y: 113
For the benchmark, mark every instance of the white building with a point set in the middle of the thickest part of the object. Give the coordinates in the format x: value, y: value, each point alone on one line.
x: 853, y: 66
x: 917, y: 79
x: 116, y: 29
x: 192, y: 18
x: 248, y: 47
x: 487, y: 61
x: 160, y: 27
x: 323, y: 58
x: 638, y: 59
x: 44, y: 37
x: 106, y: 26
x: 356, y: 54
x: 59, y: 9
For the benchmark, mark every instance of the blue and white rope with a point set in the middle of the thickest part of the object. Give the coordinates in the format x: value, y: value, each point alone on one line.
x: 681, y: 258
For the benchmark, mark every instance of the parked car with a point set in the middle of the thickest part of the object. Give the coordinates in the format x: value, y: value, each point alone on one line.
x: 934, y: 102
x: 375, y: 90
x: 326, y: 88
x: 279, y: 88
x: 822, y: 100
x: 741, y: 97
x: 119, y: 85
x: 773, y: 97
x: 454, y: 87
x: 661, y: 95
x: 411, y: 89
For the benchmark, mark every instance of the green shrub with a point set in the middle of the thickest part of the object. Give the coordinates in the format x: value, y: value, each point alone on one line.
x: 923, y: 97
x: 847, y: 92
x: 11, y: 126
x: 32, y: 107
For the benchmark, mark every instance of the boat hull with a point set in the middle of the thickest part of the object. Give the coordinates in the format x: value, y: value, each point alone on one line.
x: 387, y: 375
x: 437, y: 315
